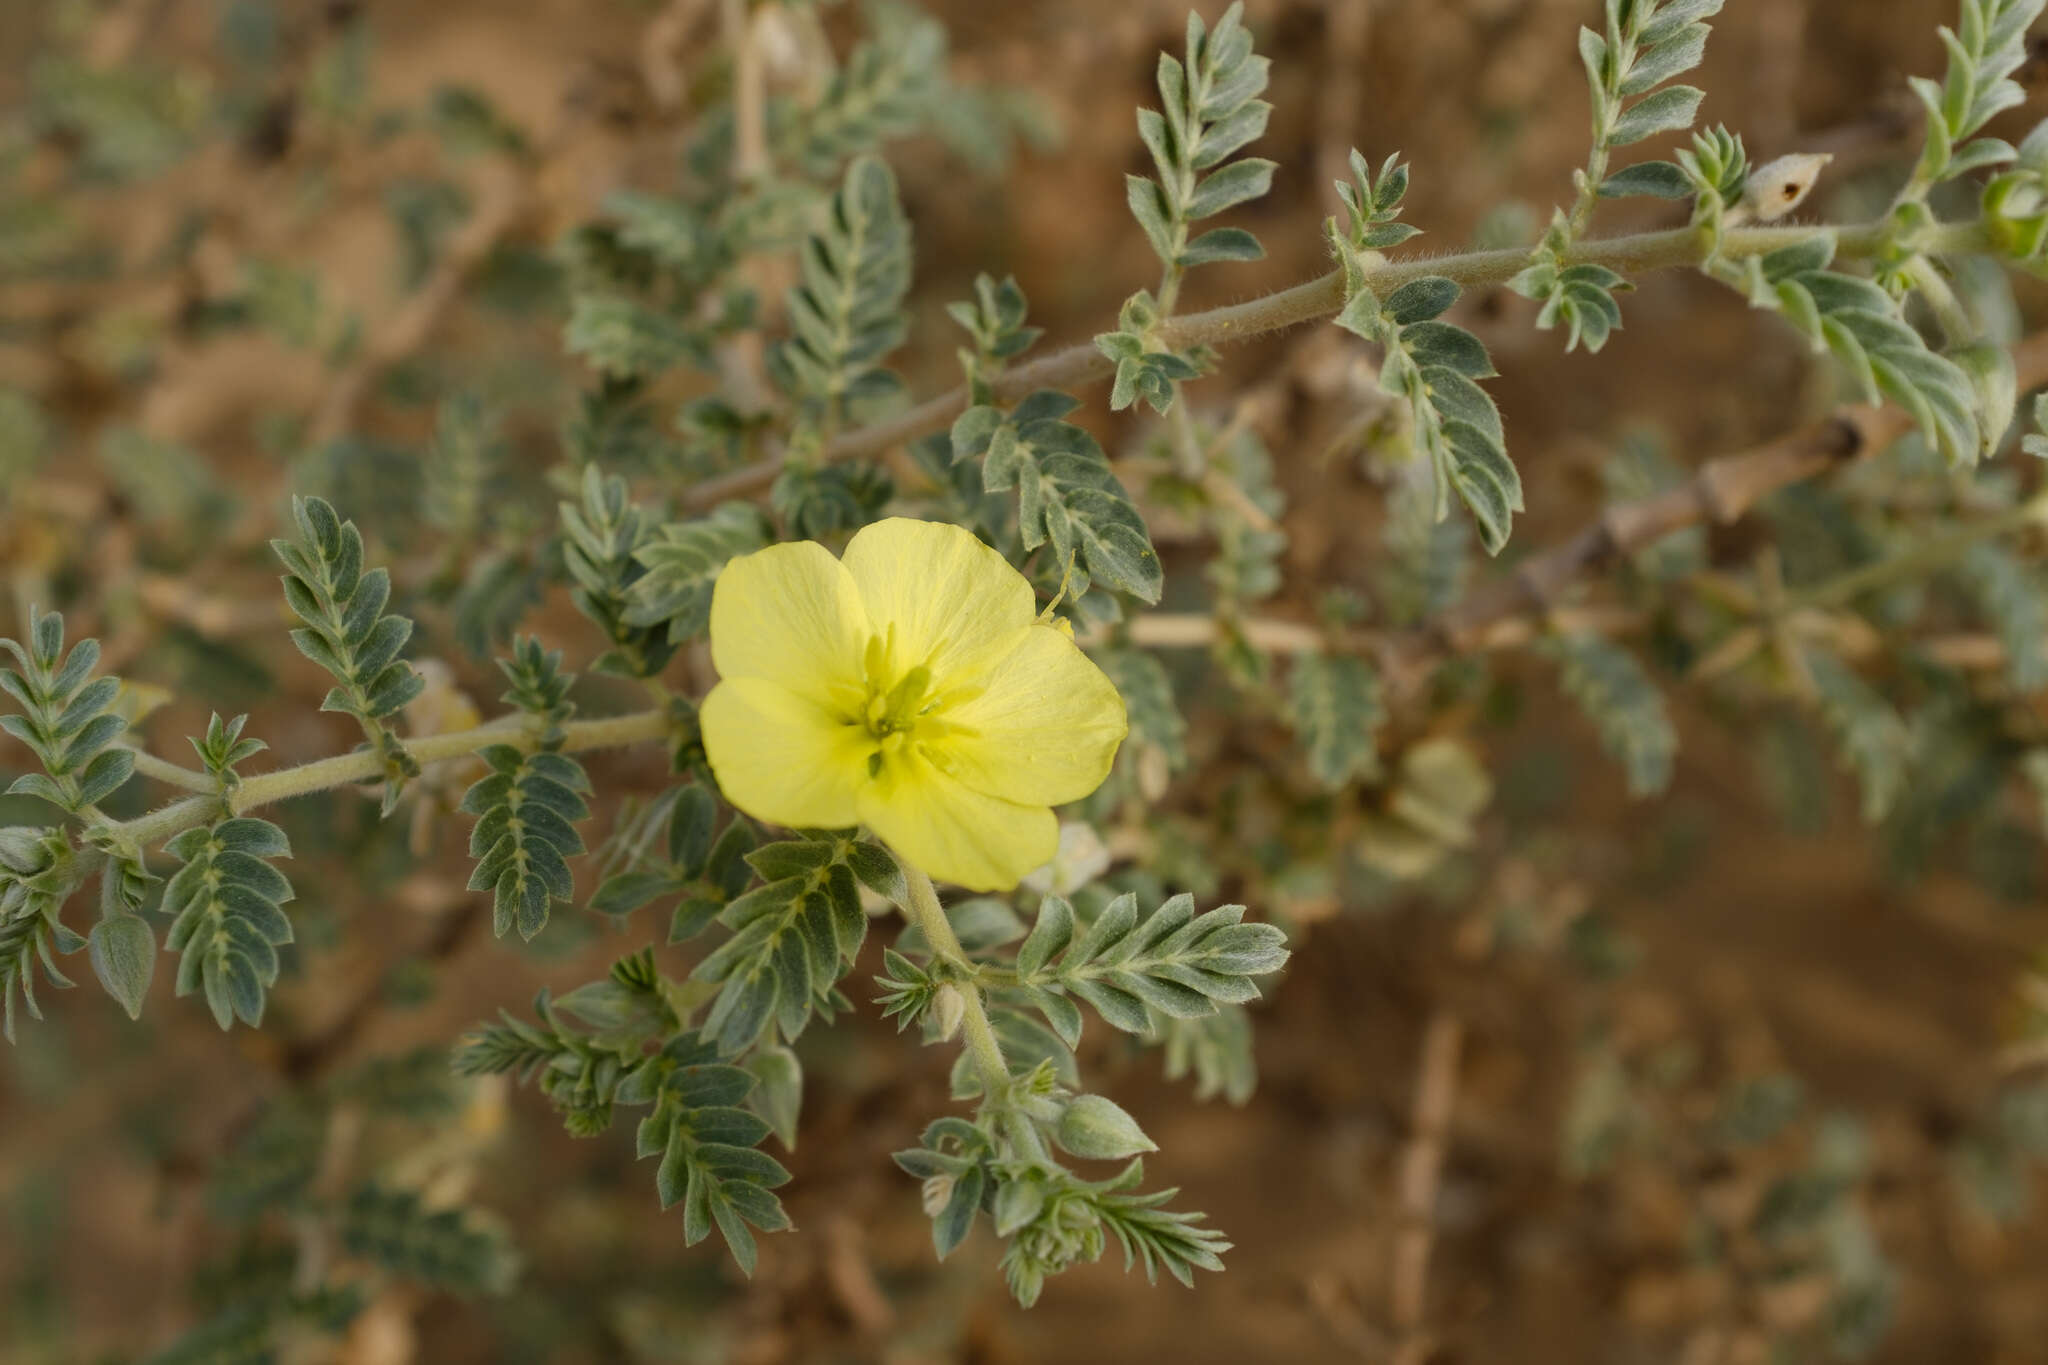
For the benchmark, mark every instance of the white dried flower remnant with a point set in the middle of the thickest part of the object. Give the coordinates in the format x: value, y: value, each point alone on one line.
x: 1777, y: 187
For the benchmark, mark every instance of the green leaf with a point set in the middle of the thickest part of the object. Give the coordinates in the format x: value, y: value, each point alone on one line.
x: 683, y: 561
x: 1421, y: 300
x: 792, y: 939
x: 1335, y: 707
x: 1142, y: 682
x: 1873, y: 741
x: 227, y: 920
x: 1655, y: 179
x: 1172, y: 963
x: 1068, y: 498
x: 1235, y: 184
x: 1670, y: 110
x: 708, y: 1159
x: 846, y: 311
x: 601, y: 537
x: 1216, y: 1049
x: 346, y: 630
x: 890, y: 85
x: 452, y: 1248
x: 526, y: 810
x: 623, y: 339
x: 1210, y: 112
x: 26, y: 940
x: 1220, y: 244
x: 124, y: 958
x: 66, y: 721
x: 1623, y: 704
x: 2011, y: 594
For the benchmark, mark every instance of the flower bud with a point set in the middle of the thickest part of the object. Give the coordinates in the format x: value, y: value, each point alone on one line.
x: 1097, y: 1129
x: 937, y: 1192
x: 949, y: 1007
x: 1996, y: 388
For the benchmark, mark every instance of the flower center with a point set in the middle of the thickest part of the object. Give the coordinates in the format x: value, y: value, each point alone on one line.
x: 899, y: 707
x: 903, y: 709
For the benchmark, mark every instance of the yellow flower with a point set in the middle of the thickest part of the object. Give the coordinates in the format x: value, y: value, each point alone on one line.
x: 909, y: 687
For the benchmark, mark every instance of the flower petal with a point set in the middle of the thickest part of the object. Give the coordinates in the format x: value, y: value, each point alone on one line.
x: 952, y: 832
x: 782, y: 757
x: 948, y: 595
x: 789, y: 613
x: 1044, y: 729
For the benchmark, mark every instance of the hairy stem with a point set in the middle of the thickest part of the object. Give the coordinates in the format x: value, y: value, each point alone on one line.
x: 921, y: 907
x: 364, y: 765
x: 1319, y: 298
x: 191, y: 779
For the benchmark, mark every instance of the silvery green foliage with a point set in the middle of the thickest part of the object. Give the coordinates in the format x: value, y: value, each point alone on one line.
x: 36, y: 876
x: 682, y: 560
x: 455, y: 1249
x: 656, y: 283
x: 1067, y: 497
x: 1986, y: 47
x: 994, y: 320
x: 793, y: 937
x: 889, y: 86
x: 347, y: 631
x: 637, y: 1048
x: 529, y: 804
x: 846, y: 311
x: 227, y: 917
x: 2011, y: 596
x: 67, y: 722
x: 1134, y: 969
x: 1144, y: 975
x: 1862, y: 327
x: 1623, y: 704
x: 1644, y: 45
x: 1869, y: 734
x: 1216, y: 1050
x: 1433, y: 367
x: 1052, y: 1218
x: 1209, y: 111
x: 1335, y: 705
x: 2015, y: 203
x: 601, y: 540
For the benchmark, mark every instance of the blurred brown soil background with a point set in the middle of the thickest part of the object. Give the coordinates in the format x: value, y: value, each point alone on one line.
x: 1750, y: 949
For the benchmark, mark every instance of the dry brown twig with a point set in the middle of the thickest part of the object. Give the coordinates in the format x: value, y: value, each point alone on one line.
x: 1421, y: 1174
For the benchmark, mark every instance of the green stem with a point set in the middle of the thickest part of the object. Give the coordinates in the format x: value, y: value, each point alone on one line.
x: 921, y: 907
x: 1924, y: 557
x: 191, y: 779
x: 1948, y: 309
x: 364, y: 765
x: 1672, y: 248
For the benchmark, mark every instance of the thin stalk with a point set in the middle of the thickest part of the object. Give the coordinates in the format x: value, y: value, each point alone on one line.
x: 365, y: 765
x: 1938, y: 552
x: 1948, y: 309
x: 750, y: 101
x: 191, y: 779
x: 921, y: 907
x: 1319, y: 298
